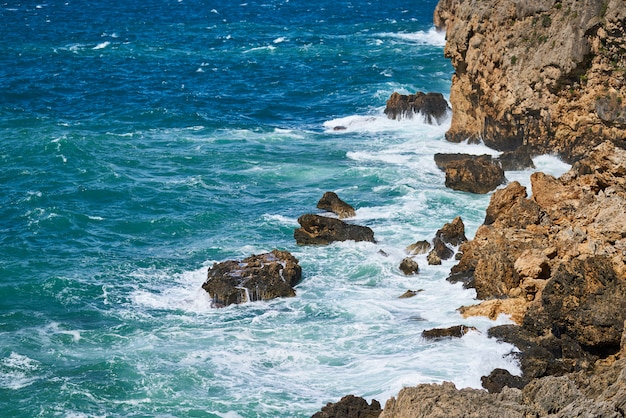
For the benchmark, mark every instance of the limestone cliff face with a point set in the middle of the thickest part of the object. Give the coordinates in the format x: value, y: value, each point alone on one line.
x: 550, y: 74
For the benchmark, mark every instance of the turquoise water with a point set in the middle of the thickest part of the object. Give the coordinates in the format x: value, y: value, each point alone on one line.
x: 143, y: 142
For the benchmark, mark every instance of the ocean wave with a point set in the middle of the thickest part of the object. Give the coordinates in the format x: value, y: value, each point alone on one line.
x: 432, y: 37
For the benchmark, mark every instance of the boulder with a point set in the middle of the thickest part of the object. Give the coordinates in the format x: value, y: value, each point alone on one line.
x: 408, y: 266
x: 432, y: 106
x: 471, y: 173
x: 322, y: 230
x: 456, y: 331
x: 258, y: 277
x: 350, y: 406
x: 332, y: 203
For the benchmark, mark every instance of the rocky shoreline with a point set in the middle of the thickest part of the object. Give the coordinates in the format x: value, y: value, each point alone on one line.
x: 539, y: 77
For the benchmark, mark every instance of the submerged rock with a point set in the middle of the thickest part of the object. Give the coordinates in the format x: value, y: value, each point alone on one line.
x: 332, y: 203
x: 322, y: 230
x: 432, y: 106
x: 258, y: 277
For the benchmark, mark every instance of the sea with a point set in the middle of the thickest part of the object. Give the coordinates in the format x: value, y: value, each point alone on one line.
x: 144, y: 141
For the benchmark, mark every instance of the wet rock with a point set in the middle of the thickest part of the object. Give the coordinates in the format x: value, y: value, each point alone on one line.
x: 419, y: 247
x: 350, y: 406
x: 452, y: 233
x: 432, y: 106
x: 258, y: 277
x: 410, y: 293
x: 332, y: 203
x: 322, y: 230
x: 456, y: 331
x: 433, y: 259
x: 408, y: 266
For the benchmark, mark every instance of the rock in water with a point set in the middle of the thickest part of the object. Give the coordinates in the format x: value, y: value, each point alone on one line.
x: 432, y: 106
x: 471, y: 173
x: 322, y: 230
x: 332, y: 203
x: 456, y: 331
x: 350, y: 407
x: 258, y: 277
x: 408, y: 266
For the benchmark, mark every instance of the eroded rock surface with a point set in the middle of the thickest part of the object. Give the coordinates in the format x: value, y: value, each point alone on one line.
x: 547, y: 74
x: 332, y: 203
x: 258, y: 277
x: 322, y: 230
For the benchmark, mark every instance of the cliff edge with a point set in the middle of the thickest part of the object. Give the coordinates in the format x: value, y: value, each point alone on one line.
x: 547, y: 74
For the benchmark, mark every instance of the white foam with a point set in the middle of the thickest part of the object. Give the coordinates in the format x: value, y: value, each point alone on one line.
x: 102, y: 45
x: 280, y: 39
x: 430, y: 37
x: 18, y: 371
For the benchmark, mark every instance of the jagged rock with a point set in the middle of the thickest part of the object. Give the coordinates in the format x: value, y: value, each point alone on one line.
x: 452, y: 233
x: 585, y: 300
x: 332, y: 203
x: 419, y: 247
x: 470, y: 173
x: 545, y: 74
x: 258, y: 277
x: 432, y: 106
x: 408, y: 266
x: 321, y: 230
x: 456, y: 331
x: 350, y: 406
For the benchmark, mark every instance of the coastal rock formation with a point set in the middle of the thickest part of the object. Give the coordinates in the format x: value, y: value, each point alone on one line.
x: 598, y: 394
x: 471, y: 173
x: 546, y: 74
x: 556, y: 262
x: 432, y: 106
x: 332, y: 203
x: 350, y: 406
x: 258, y: 277
x: 322, y: 230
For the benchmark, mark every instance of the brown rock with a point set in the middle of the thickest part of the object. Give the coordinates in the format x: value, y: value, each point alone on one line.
x: 322, y: 230
x: 332, y: 203
x: 408, y: 266
x: 544, y: 74
x: 258, y: 277
x: 420, y: 247
x: 410, y: 293
x: 475, y: 174
x: 456, y: 331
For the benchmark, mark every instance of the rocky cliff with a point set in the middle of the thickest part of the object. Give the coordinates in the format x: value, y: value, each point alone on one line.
x: 549, y: 74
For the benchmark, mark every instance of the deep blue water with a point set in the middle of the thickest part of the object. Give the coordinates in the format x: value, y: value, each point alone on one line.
x: 143, y: 141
